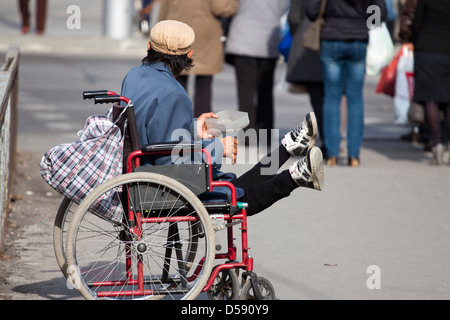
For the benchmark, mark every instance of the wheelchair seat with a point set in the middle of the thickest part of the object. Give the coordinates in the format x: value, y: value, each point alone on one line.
x: 197, y: 178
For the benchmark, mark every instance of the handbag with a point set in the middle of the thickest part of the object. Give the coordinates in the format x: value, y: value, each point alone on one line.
x: 416, y: 113
x: 311, y: 37
x: 75, y: 169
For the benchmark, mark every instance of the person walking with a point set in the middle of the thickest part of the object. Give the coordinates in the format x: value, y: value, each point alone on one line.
x: 344, y: 39
x: 405, y: 21
x: 419, y: 132
x: 144, y: 15
x: 431, y: 38
x: 391, y: 17
x: 252, y: 47
x: 41, y: 12
x: 304, y: 66
x: 204, y: 16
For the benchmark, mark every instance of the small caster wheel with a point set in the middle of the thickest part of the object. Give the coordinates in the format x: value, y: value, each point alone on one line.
x: 265, y: 290
x: 225, y: 286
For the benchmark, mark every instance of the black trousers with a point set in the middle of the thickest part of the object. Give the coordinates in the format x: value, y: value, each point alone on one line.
x: 255, y: 79
x: 261, y: 191
x: 316, y: 94
x: 202, y: 95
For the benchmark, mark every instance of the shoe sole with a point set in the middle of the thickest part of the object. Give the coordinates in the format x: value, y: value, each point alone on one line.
x: 313, y: 120
x: 316, y: 163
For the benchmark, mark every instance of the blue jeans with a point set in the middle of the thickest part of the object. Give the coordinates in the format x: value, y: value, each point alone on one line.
x: 344, y: 64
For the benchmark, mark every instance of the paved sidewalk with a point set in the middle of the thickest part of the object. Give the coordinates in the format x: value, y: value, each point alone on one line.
x: 59, y: 38
x: 393, y: 212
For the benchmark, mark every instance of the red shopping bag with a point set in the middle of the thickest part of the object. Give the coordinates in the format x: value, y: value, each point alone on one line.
x: 410, y: 79
x: 386, y: 84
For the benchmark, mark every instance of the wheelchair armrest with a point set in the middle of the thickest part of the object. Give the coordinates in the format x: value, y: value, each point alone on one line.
x: 169, y: 146
x: 195, y: 177
x: 133, y: 158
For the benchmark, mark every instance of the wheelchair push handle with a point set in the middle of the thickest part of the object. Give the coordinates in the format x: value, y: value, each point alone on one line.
x: 104, y: 96
x: 107, y: 99
x: 94, y: 93
x: 110, y: 99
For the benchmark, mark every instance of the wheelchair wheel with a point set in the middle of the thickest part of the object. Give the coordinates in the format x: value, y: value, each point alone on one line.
x: 63, y: 218
x: 225, y: 286
x: 264, y: 287
x: 163, y: 247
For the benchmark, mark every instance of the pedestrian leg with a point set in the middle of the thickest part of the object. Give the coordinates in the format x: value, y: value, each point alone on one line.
x: 41, y: 13
x: 25, y: 14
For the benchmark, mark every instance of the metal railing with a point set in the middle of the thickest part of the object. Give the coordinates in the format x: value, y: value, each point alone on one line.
x: 9, y: 78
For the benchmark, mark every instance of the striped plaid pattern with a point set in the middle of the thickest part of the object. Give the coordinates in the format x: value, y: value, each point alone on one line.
x: 75, y: 169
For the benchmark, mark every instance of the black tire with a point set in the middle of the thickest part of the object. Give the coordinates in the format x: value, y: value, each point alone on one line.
x: 264, y: 287
x: 225, y: 287
x: 97, y: 249
x: 61, y: 225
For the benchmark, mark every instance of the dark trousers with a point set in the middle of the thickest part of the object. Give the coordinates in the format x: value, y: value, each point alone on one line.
x: 316, y: 94
x: 203, y: 93
x: 255, y: 78
x: 261, y: 191
x: 41, y: 11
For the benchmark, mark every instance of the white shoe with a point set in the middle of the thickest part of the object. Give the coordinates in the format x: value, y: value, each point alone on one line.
x: 308, y: 171
x: 298, y: 141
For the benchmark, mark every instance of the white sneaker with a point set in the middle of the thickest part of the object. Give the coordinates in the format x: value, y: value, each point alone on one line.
x: 438, y: 154
x: 308, y: 171
x: 298, y: 141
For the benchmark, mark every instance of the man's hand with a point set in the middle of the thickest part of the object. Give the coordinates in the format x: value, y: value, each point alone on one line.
x: 202, y: 128
x: 229, y: 143
x: 230, y: 148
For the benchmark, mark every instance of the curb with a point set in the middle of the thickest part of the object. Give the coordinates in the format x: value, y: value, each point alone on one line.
x: 84, y: 46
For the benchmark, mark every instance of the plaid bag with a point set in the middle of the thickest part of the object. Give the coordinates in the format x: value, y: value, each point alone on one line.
x: 75, y: 169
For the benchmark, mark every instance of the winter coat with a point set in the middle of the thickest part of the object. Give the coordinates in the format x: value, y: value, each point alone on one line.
x: 431, y: 26
x: 204, y: 16
x: 255, y: 29
x: 303, y: 65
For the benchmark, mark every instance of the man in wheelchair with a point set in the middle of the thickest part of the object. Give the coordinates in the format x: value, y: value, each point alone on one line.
x: 163, y: 107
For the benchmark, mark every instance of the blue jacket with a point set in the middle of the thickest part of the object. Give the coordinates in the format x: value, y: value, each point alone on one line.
x: 163, y: 110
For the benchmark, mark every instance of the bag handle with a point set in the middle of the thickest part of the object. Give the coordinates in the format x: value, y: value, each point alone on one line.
x: 323, y: 5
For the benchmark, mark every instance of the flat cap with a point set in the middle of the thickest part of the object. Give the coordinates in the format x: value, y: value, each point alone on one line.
x: 172, y: 37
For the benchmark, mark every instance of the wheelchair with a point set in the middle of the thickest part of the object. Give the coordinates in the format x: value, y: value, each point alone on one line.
x: 163, y: 244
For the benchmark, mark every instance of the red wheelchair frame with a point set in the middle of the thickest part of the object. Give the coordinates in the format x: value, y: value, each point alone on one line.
x: 236, y: 216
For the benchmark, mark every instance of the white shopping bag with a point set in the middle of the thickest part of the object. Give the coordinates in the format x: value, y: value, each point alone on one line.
x: 380, y: 50
x: 403, y: 86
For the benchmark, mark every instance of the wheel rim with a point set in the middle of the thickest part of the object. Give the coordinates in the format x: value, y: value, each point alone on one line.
x: 137, y: 265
